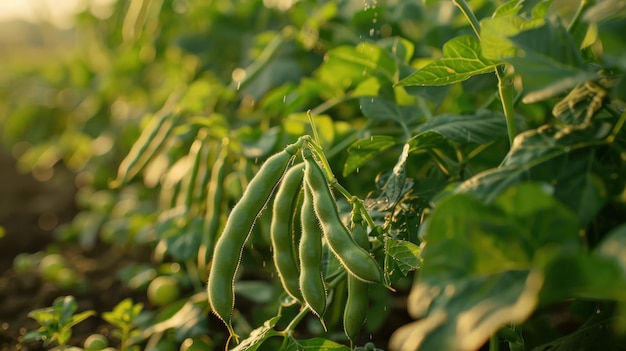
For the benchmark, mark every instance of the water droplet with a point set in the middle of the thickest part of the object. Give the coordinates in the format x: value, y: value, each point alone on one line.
x: 372, y: 31
x: 284, y: 98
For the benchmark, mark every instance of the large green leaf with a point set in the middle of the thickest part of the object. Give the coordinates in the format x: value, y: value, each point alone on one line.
x: 362, y: 151
x: 614, y: 246
x: 381, y: 109
x: 548, y: 60
x: 461, y: 60
x: 597, y: 333
x: 508, y: 20
x: 478, y: 270
x: 583, y: 276
x: 347, y: 66
x: 464, y: 315
x: 558, y: 155
x: 479, y: 128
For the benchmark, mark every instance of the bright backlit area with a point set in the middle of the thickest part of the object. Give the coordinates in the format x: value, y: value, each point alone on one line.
x: 58, y: 13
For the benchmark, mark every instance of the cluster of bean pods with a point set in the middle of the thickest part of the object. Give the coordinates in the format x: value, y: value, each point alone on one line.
x: 303, y: 204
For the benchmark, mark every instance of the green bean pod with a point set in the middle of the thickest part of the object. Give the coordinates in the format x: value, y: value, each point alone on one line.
x: 215, y: 190
x: 281, y: 231
x: 229, y: 246
x: 357, y: 303
x: 356, y: 260
x: 187, y: 192
x: 208, y: 155
x: 310, y: 249
x: 149, y: 142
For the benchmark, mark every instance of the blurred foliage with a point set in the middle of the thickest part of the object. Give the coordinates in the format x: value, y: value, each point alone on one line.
x: 165, y: 109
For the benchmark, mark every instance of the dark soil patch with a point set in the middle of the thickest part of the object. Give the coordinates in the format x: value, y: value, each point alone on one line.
x: 29, y: 211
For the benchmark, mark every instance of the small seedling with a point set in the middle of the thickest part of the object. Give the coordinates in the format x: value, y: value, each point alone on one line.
x: 56, y: 322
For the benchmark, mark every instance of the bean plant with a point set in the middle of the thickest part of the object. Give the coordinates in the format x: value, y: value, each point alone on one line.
x: 365, y: 175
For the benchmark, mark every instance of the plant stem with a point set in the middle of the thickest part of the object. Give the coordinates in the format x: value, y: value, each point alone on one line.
x: 516, y: 343
x: 328, y: 104
x: 576, y: 19
x: 505, y: 87
x: 265, y: 58
x: 306, y: 309
x: 469, y: 14
x: 493, y: 344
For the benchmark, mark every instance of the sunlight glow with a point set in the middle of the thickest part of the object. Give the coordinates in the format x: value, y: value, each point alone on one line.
x: 58, y: 13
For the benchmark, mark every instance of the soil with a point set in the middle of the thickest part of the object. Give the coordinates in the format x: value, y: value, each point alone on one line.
x: 29, y: 212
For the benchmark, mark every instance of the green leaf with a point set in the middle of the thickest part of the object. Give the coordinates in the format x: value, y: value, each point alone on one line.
x: 482, y: 127
x: 498, y: 237
x: 597, y: 333
x: 64, y: 336
x: 405, y: 254
x: 381, y: 109
x: 585, y: 193
x: 64, y: 307
x: 547, y: 155
x: 79, y: 317
x: 548, y: 60
x: 184, y: 317
x: 583, y: 276
x: 431, y: 2
x: 369, y: 87
x: 427, y: 140
x: 123, y: 314
x: 257, y: 291
x: 400, y: 47
x: 347, y: 66
x: 461, y: 60
x: 259, y: 335
x: 43, y: 315
x: 508, y: 20
x: 320, y: 344
x: 613, y: 247
x: 34, y: 335
x: 396, y: 185
x: 463, y: 316
x: 478, y: 270
x: 362, y: 151
x: 185, y: 243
